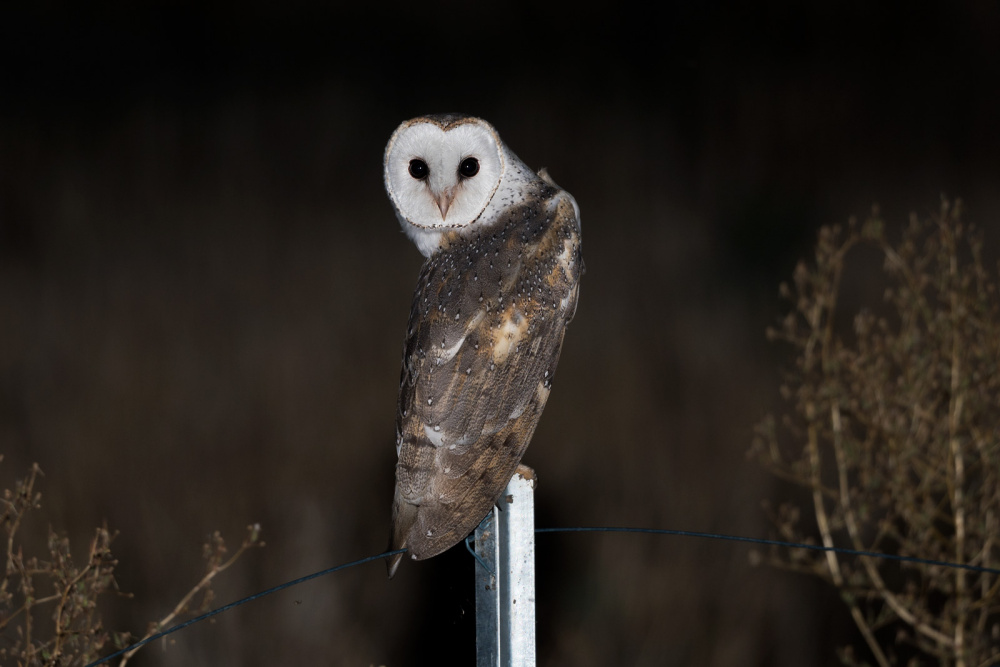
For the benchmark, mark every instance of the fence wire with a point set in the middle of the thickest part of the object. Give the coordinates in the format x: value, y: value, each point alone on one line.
x: 576, y: 529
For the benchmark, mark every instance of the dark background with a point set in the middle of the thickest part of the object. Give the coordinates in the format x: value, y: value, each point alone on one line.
x: 203, y: 294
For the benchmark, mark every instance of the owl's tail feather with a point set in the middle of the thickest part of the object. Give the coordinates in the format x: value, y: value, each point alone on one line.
x: 404, y: 515
x: 392, y: 563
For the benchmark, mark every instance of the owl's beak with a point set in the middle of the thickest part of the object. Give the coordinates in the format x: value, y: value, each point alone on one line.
x: 444, y: 200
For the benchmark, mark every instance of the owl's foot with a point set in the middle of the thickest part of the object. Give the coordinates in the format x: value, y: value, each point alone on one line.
x: 525, y: 472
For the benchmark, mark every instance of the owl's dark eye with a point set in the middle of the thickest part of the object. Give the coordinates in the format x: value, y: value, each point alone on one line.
x: 469, y: 167
x: 419, y: 170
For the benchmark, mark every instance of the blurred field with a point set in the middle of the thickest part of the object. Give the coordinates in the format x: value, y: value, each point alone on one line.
x: 203, y: 294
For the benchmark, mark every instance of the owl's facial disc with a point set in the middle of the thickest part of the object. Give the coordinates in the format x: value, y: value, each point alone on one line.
x: 443, y: 178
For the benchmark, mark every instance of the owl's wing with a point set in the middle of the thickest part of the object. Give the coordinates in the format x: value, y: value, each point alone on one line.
x: 484, y: 337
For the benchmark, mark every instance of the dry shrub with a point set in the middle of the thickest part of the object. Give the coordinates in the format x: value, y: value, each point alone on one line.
x: 892, y: 429
x: 49, y: 605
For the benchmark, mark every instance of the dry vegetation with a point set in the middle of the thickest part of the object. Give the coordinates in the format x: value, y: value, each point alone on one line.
x: 49, y: 612
x: 892, y: 430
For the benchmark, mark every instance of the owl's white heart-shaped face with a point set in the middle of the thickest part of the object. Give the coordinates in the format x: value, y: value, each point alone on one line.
x: 443, y: 173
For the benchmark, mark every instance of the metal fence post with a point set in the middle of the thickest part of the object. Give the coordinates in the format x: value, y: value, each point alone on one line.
x: 505, y: 579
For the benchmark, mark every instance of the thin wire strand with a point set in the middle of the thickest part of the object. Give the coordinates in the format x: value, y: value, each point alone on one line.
x: 256, y: 596
x: 576, y: 529
x: 776, y: 543
x: 468, y: 547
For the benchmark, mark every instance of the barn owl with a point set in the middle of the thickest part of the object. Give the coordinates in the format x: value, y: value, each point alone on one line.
x: 493, y: 299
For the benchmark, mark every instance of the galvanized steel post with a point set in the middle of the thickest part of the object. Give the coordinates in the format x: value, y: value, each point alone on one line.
x: 505, y: 579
